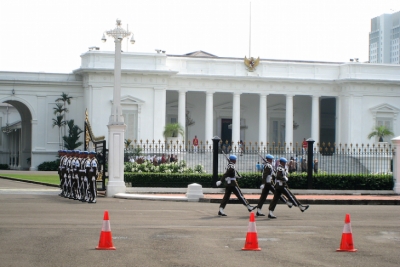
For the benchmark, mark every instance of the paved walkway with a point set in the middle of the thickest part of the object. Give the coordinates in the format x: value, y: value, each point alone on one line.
x: 214, y: 195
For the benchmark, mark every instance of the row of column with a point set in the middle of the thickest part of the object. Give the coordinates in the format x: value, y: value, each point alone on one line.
x: 263, y: 131
x: 14, y: 142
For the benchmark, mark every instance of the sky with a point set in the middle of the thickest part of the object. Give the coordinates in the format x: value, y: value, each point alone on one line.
x: 50, y: 35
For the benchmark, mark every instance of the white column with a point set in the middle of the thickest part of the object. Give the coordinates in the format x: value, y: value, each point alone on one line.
x: 236, y: 118
x: 35, y: 136
x: 315, y: 119
x: 182, y: 112
x: 338, y: 119
x: 396, y: 165
x: 116, y: 112
x: 159, y: 114
x: 20, y: 156
x: 209, y: 117
x: 262, y: 130
x: 289, y: 121
x: 116, y: 133
x: 116, y: 138
x: 12, y: 150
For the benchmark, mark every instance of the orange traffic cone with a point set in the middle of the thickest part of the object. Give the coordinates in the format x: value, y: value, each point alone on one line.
x: 251, y: 238
x: 105, y: 241
x: 347, y: 237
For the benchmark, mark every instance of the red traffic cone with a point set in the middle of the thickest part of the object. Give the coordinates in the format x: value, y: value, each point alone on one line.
x: 105, y: 241
x: 251, y: 238
x: 347, y: 237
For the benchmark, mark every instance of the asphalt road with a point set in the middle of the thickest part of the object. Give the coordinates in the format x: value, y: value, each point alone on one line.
x: 39, y: 228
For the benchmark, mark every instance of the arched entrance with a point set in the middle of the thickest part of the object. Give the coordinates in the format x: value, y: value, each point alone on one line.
x: 17, y: 137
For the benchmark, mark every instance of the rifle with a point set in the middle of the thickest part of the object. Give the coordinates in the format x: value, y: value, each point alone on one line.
x: 229, y: 161
x: 265, y: 161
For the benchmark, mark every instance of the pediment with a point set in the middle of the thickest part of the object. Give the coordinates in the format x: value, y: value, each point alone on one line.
x: 130, y: 100
x: 384, y: 108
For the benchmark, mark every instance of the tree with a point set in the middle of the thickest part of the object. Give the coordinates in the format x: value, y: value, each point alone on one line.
x: 173, y: 130
x: 380, y: 131
x: 71, y: 141
x: 59, y: 123
x: 66, y: 100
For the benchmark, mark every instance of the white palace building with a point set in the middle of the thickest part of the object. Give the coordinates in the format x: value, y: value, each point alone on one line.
x: 331, y: 102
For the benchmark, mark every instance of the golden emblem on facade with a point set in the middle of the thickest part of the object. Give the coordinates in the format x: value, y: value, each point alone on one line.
x: 251, y: 63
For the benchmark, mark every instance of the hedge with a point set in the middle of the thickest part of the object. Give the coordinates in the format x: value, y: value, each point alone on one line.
x: 253, y: 180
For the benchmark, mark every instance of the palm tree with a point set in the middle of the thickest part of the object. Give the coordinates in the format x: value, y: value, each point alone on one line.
x: 380, y: 131
x: 59, y: 122
x: 65, y: 99
x: 173, y: 130
x: 59, y: 111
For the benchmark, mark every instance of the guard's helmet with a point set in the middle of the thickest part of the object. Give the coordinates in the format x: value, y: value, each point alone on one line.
x: 85, y: 152
x: 283, y: 160
x: 232, y: 157
x: 69, y: 151
x: 269, y: 156
x: 92, y: 153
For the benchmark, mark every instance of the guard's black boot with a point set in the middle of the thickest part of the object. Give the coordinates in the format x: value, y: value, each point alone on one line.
x: 221, y: 212
x: 259, y: 213
x: 303, y: 208
x: 271, y: 215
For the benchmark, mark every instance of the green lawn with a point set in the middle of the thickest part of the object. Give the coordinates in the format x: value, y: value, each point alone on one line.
x: 50, y: 179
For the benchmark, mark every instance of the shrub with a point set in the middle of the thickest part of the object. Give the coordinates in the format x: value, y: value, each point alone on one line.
x: 174, y: 167
x: 4, y: 167
x: 49, y: 165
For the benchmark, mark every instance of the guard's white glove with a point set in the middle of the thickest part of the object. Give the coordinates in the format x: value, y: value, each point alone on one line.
x: 286, y: 179
x: 262, y: 186
x: 218, y: 183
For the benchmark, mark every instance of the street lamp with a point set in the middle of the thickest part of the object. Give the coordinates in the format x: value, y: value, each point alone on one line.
x: 116, y: 125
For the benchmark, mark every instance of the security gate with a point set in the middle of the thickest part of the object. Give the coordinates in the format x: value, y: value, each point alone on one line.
x: 98, y: 144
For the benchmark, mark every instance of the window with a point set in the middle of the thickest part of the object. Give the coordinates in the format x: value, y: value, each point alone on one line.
x: 130, y: 118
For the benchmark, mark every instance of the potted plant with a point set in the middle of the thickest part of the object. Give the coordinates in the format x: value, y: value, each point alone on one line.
x: 171, y: 133
x: 380, y: 131
x: 173, y: 130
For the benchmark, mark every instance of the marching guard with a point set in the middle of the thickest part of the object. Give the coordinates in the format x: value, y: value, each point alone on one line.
x: 75, y: 180
x: 232, y: 186
x: 67, y: 174
x: 268, y: 185
x: 92, y: 177
x: 282, y: 188
x: 83, y: 177
x: 61, y: 153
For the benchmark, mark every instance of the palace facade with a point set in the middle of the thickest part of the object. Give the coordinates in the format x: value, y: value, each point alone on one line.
x: 330, y: 102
